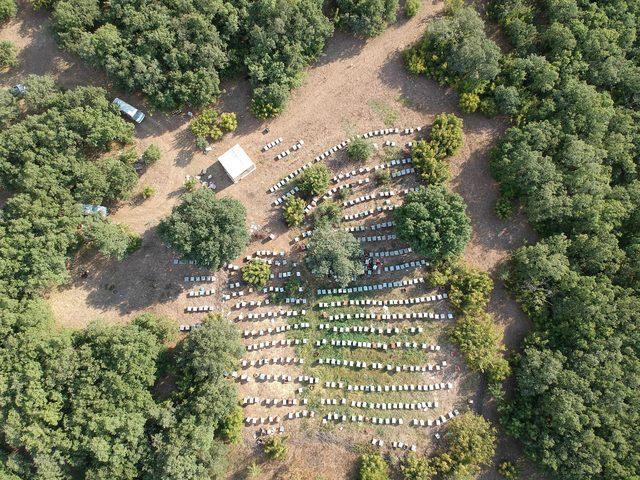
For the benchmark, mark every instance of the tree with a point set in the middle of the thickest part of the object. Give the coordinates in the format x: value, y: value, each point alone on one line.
x: 8, y: 9
x: 335, y: 254
x: 367, y: 18
x: 206, y: 229
x: 328, y: 213
x: 294, y: 210
x: 433, y: 221
x: 110, y: 239
x: 373, y: 467
x: 470, y: 445
x: 417, y: 468
x: 315, y: 179
x: 151, y: 155
x: 359, y: 150
x: 8, y: 55
x: 256, y: 272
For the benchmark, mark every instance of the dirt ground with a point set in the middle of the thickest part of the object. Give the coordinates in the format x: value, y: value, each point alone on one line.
x: 355, y: 86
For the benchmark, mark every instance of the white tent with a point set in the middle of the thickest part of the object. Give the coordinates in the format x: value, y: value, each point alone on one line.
x: 236, y: 163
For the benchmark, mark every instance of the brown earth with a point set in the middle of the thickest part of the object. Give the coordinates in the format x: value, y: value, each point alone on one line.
x: 354, y: 87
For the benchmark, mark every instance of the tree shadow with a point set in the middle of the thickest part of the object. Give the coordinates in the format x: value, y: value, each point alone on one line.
x: 143, y: 279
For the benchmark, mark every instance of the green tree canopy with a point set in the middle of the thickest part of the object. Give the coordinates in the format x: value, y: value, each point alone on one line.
x: 433, y: 221
x: 206, y: 229
x: 335, y: 254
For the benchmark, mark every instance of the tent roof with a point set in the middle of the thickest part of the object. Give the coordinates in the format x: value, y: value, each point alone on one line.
x: 236, y: 162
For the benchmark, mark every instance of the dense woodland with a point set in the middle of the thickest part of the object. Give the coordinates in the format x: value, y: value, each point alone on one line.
x: 83, y: 403
x: 569, y: 84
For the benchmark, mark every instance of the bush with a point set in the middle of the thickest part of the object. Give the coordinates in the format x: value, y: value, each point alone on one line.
x: 508, y: 470
x: 411, y: 8
x: 469, y: 102
x: 430, y: 167
x: 315, y: 179
x: 110, y: 239
x: 190, y: 184
x: 211, y: 125
x: 335, y: 254
x: 504, y: 208
x: 479, y: 340
x: 471, y: 444
x: 269, y: 101
x: 359, y: 150
x: 382, y: 177
x: 433, y: 221
x: 151, y: 155
x: 366, y: 18
x: 294, y: 210
x: 327, y: 213
x: 469, y: 288
x: 417, y: 468
x: 256, y: 272
x: 8, y: 9
x: 148, y: 192
x: 206, y: 229
x: 231, y: 428
x: 446, y: 135
x: 275, y: 447
x: 373, y: 467
x: 8, y: 55
x: 228, y: 121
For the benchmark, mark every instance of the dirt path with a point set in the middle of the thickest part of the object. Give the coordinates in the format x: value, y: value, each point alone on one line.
x: 353, y: 88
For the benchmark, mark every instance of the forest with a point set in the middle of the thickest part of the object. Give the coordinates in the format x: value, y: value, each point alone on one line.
x: 84, y: 402
x: 568, y: 83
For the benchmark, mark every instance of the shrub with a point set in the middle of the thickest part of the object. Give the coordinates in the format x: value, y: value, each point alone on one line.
x: 8, y: 9
x: 269, y: 101
x: 508, y: 470
x: 315, y: 179
x: 479, y: 340
x: 231, y: 428
x: 190, y: 184
x: 275, y: 447
x: 148, y: 191
x: 411, y: 8
x: 504, y: 208
x: 430, y: 167
x: 206, y: 229
x: 469, y: 289
x: 417, y: 468
x: 382, y: 177
x: 256, y: 272
x: 471, y: 444
x: 366, y: 18
x: 334, y: 253
x: 327, y: 213
x: 343, y: 193
x: 433, y: 221
x: 446, y: 134
x: 8, y: 55
x: 228, y: 121
x: 109, y: 238
x: 469, y: 102
x: 359, y: 150
x: 294, y: 210
x: 211, y: 125
x: 373, y: 467
x: 151, y: 155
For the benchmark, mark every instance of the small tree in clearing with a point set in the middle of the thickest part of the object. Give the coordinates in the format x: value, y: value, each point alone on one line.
x: 359, y: 150
x: 275, y: 448
x: 294, y: 211
x: 315, y: 179
x: 256, y: 273
x: 335, y: 254
x: 373, y: 467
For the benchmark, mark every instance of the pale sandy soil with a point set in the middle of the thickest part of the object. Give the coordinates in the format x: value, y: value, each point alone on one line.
x: 344, y: 93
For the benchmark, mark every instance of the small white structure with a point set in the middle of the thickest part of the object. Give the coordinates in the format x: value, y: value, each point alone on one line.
x: 236, y: 163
